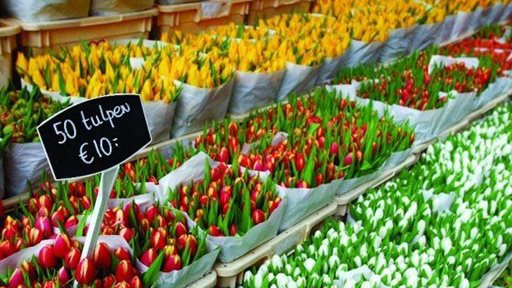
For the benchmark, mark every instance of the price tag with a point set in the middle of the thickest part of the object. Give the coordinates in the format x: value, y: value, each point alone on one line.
x: 91, y: 137
x: 94, y: 135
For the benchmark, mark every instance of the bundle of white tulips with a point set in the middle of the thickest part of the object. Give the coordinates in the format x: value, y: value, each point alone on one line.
x: 444, y: 223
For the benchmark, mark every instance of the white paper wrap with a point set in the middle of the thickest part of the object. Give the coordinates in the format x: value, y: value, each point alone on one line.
x: 47, y: 10
x: 23, y: 162
x: 397, y: 44
x: 302, y: 202
x: 506, y: 13
x: 329, y: 69
x: 497, y: 88
x: 491, y: 14
x: 189, y: 274
x: 445, y: 33
x: 360, y: 52
x: 231, y: 248
x: 159, y: 114
x: 115, y: 7
x: 254, y: 90
x: 461, y: 25
x: 426, y: 35
x: 197, y: 106
x: 298, y: 79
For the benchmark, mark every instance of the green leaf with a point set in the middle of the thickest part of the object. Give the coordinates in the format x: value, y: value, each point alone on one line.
x: 81, y: 224
x: 151, y: 275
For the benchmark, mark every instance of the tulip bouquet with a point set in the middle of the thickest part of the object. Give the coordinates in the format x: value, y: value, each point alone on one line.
x: 20, y: 114
x: 159, y: 236
x: 57, y: 264
x: 408, y: 82
x: 444, y: 223
x: 238, y: 31
x: 22, y: 111
x: 227, y: 201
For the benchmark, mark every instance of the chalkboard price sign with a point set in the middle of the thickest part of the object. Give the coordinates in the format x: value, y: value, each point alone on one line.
x: 94, y: 135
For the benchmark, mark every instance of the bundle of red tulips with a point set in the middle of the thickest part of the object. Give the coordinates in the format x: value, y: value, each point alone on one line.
x: 227, y: 201
x: 58, y: 264
x: 159, y: 237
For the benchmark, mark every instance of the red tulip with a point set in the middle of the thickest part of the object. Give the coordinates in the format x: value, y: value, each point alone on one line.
x: 157, y: 240
x: 334, y: 148
x: 71, y: 222
x: 62, y: 245
x: 85, y: 271
x: 122, y: 284
x: 46, y: 257
x: 43, y: 223
x: 189, y: 240
x: 215, y: 231
x: 147, y: 258
x: 16, y: 278
x: 122, y: 254
x: 151, y: 213
x: 102, y: 256
x: 63, y: 276
x: 126, y: 233
x: 109, y: 281
x: 258, y: 216
x: 233, y: 229
x: 136, y: 282
x: 29, y: 269
x: 180, y: 229
x: 223, y: 155
x: 125, y: 271
x: 35, y: 236
x: 348, y: 160
x: 172, y: 263
x: 49, y: 284
x: 72, y: 258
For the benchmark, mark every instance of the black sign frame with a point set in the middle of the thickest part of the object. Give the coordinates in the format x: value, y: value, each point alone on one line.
x: 132, y: 134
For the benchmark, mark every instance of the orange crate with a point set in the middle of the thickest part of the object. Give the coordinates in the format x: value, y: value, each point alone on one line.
x: 195, y: 17
x: 7, y: 46
x: 41, y: 37
x: 261, y: 9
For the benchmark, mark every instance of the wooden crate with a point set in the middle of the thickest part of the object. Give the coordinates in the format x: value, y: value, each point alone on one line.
x: 199, y: 16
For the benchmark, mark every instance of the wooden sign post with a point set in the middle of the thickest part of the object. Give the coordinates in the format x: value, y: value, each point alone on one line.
x: 93, y: 137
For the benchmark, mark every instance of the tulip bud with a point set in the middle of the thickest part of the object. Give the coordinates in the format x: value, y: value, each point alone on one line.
x: 62, y: 245
x: 63, y: 276
x: 180, y: 229
x: 215, y: 231
x: 122, y: 254
x: 189, y: 240
x: 147, y: 258
x: 126, y: 233
x: 258, y: 216
x: 35, y: 236
x: 16, y: 278
x: 172, y: 263
x: 72, y: 258
x: 46, y: 257
x: 102, y: 256
x: 157, y: 240
x: 109, y: 281
x: 136, y: 282
x: 85, y: 271
x: 125, y: 271
x: 43, y: 223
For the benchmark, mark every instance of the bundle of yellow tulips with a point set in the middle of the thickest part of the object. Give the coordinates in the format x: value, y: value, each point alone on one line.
x: 308, y: 39
x: 203, y: 70
x: 371, y: 20
x: 258, y: 57
x: 241, y: 32
x: 95, y: 70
